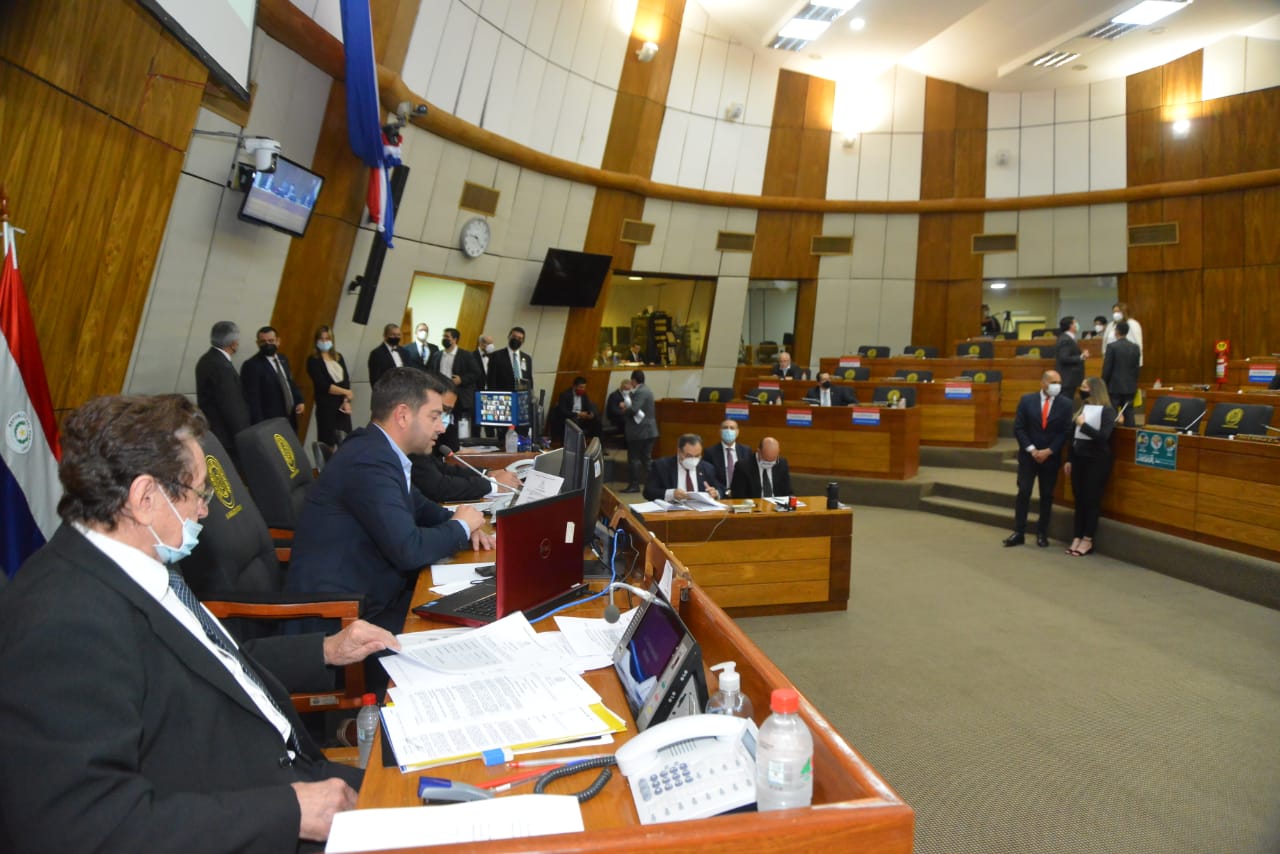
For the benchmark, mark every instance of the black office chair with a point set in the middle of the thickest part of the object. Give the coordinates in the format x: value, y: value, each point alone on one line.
x: 891, y: 394
x: 764, y: 395
x: 714, y: 394
x: 852, y: 373
x: 914, y: 376
x: 984, y: 376
x: 921, y: 352
x: 236, y: 572
x: 873, y: 351
x: 277, y: 470
x: 1178, y: 413
x: 1033, y: 351
x: 976, y: 349
x: 1044, y: 333
x: 1008, y: 336
x: 1228, y: 419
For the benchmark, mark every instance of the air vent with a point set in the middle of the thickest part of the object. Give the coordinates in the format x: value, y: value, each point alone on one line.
x: 637, y: 232
x: 482, y: 200
x: 1156, y: 234
x: 1053, y: 59
x: 1109, y: 31
x: 735, y: 241
x: 991, y: 244
x: 828, y: 244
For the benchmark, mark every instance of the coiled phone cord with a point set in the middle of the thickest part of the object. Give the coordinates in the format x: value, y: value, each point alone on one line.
x: 601, y: 762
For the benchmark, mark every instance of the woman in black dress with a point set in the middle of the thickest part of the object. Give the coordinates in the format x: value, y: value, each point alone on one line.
x: 332, y: 384
x: 1090, y: 465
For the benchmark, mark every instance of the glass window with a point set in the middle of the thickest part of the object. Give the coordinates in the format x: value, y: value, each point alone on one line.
x: 656, y: 319
x: 1025, y: 306
x: 768, y: 325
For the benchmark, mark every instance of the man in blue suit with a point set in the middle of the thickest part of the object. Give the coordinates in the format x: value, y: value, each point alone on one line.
x: 1041, y: 426
x: 365, y: 528
x: 674, y: 478
x: 726, y: 456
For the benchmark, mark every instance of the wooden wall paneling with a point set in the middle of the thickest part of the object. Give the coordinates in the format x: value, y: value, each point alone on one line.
x: 1181, y: 79
x: 800, y: 259
x: 964, y: 310
x: 929, y: 315
x: 814, y: 157
x: 790, y: 106
x: 1223, y: 230
x: 1188, y: 357
x: 1182, y: 157
x: 30, y: 28
x: 1261, y: 215
x: 819, y: 105
x: 1145, y: 90
x: 939, y: 104
x: 1223, y: 129
x: 971, y: 164
x: 1143, y: 293
x: 806, y: 310
x: 964, y: 264
x: 933, y: 254
x: 1261, y: 310
x: 971, y: 109
x: 938, y: 166
x: 1188, y: 252
x: 393, y: 22
x: 1145, y: 139
x: 1262, y: 129
x: 782, y: 161
x: 1224, y: 305
x: 773, y: 243
x: 1145, y: 258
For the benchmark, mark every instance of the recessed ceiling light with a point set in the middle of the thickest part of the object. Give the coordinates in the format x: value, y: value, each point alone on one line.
x: 857, y: 24
x: 999, y: 286
x: 1150, y: 11
x: 803, y: 29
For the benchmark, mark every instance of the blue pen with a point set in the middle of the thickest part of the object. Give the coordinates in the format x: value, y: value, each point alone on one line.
x: 436, y: 790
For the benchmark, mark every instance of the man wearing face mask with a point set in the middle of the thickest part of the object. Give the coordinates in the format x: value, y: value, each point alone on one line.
x: 463, y: 370
x: 574, y: 405
x: 1041, y: 426
x: 151, y: 725
x: 676, y: 478
x: 767, y: 475
x: 613, y: 407
x: 1099, y: 327
x: 727, y: 455
x: 219, y: 393
x: 1120, y: 312
x: 386, y: 355
x: 484, y: 346
x: 419, y: 351
x: 269, y: 388
x: 825, y: 393
x: 511, y: 369
x: 1069, y: 358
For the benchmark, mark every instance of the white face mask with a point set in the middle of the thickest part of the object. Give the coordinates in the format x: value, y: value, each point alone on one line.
x: 1055, y: 389
x: 691, y: 463
x: 1098, y: 327
x: 421, y: 334
x: 324, y: 346
x: 768, y: 464
x: 489, y: 348
x: 1117, y: 317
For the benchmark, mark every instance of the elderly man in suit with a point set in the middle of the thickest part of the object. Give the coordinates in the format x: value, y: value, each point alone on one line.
x: 1069, y: 358
x: 675, y: 478
x: 130, y: 719
x: 219, y: 393
x: 785, y: 370
x: 1120, y: 365
x: 640, y: 423
x: 386, y: 355
x: 364, y: 527
x: 825, y: 393
x: 1041, y: 425
x: 767, y: 475
x: 268, y: 384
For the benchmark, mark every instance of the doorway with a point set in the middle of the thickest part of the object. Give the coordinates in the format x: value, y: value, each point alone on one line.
x: 442, y: 302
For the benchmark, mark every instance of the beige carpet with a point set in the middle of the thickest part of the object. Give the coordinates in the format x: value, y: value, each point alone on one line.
x: 1025, y: 701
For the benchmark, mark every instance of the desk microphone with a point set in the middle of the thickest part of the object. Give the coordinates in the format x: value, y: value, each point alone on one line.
x: 611, y: 612
x: 1193, y: 423
x: 452, y: 455
x: 1272, y: 429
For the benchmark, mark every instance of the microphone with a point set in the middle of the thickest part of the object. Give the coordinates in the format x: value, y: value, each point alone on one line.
x: 452, y: 455
x: 1272, y: 429
x: 1194, y: 422
x: 611, y: 612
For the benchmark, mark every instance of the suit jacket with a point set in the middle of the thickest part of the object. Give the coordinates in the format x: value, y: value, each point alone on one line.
x: 641, y: 402
x: 502, y: 377
x: 714, y: 454
x: 363, y: 531
x: 1028, y: 431
x: 262, y: 389
x: 1120, y: 367
x: 441, y: 482
x: 614, y: 412
x: 792, y: 373
x: 666, y: 473
x: 122, y: 732
x: 747, y: 482
x: 840, y: 395
x: 482, y: 359
x: 380, y: 361
x: 220, y: 397
x: 1275, y: 383
x: 467, y: 368
x: 563, y: 411
x: 411, y: 353
x: 1069, y: 362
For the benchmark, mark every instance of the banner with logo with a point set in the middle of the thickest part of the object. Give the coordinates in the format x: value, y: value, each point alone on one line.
x: 1156, y: 450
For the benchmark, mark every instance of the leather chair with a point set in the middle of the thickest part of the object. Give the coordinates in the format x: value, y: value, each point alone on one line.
x: 1034, y: 351
x: 981, y: 376
x: 277, y: 470
x: 714, y: 394
x: 976, y: 349
x: 921, y: 352
x: 236, y: 572
x: 873, y: 351
x: 1177, y: 413
x: 1228, y: 419
x: 851, y: 373
x: 913, y: 376
x: 764, y: 395
x: 891, y: 394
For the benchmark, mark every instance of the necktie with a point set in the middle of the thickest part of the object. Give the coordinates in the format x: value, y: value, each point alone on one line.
x: 768, y: 484
x: 688, y: 480
x: 515, y: 365
x: 215, y: 633
x: 284, y: 387
x: 1044, y: 413
x: 729, y: 457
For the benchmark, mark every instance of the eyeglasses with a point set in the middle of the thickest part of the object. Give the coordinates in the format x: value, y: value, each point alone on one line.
x: 204, y: 495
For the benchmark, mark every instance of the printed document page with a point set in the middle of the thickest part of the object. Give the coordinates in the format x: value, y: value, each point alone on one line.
x: 511, y: 817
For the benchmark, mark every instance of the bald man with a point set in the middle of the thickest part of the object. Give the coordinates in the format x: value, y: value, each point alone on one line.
x: 766, y: 475
x: 785, y: 370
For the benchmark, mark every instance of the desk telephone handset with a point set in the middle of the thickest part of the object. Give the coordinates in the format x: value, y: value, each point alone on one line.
x: 691, y: 767
x: 521, y: 468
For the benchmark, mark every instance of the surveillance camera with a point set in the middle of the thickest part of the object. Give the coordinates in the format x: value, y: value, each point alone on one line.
x: 264, y: 151
x: 406, y: 109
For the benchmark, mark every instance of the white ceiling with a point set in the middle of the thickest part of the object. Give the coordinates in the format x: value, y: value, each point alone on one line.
x: 986, y: 44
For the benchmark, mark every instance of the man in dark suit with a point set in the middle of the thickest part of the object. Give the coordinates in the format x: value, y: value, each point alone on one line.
x: 125, y: 725
x: 1041, y: 425
x: 386, y: 355
x: 511, y: 369
x: 728, y: 454
x: 574, y: 405
x: 443, y: 483
x: 675, y: 478
x: 364, y: 528
x: 463, y: 369
x: 268, y: 384
x: 613, y: 407
x: 484, y: 345
x: 767, y: 475
x: 1069, y: 358
x: 826, y: 394
x: 1275, y: 382
x: 785, y: 370
x: 1120, y: 365
x: 218, y: 391
x: 418, y: 352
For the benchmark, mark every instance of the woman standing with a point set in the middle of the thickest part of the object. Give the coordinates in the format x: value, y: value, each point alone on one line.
x: 1090, y: 463
x: 332, y: 383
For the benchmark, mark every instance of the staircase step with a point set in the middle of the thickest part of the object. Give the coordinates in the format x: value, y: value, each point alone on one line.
x: 986, y: 496
x: 972, y: 511
x: 966, y: 458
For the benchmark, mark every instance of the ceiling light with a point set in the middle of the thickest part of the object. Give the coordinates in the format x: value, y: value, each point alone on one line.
x: 1150, y: 11
x: 857, y: 24
x: 634, y: 278
x: 803, y: 29
x: 840, y: 6
x: 1053, y: 59
x: 647, y: 52
x: 999, y: 286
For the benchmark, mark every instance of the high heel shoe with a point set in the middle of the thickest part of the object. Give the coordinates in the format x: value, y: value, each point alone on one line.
x: 1084, y: 552
x: 1071, y: 549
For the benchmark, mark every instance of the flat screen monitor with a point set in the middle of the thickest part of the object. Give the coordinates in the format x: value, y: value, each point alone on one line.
x: 575, y: 447
x: 571, y: 278
x: 659, y: 665
x: 283, y: 199
x: 502, y: 408
x: 592, y: 484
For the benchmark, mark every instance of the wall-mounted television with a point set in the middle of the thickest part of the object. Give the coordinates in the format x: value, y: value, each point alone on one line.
x: 283, y: 199
x: 571, y: 278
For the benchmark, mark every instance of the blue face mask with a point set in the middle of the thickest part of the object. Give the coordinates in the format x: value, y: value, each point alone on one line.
x: 190, y: 536
x: 446, y: 419
x: 729, y: 436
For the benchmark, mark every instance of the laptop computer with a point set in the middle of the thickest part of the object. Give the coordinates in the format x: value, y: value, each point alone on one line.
x: 538, y: 569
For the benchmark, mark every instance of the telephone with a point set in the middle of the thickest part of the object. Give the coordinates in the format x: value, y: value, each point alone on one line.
x: 521, y: 468
x: 691, y: 767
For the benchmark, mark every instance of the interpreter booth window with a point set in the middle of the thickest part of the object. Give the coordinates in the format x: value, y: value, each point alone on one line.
x: 1032, y: 307
x: 656, y: 319
x: 768, y: 325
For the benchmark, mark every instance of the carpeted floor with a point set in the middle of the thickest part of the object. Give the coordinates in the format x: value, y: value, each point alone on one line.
x: 1025, y: 701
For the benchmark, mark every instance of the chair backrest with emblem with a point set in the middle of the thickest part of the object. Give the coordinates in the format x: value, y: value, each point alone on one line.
x: 277, y: 469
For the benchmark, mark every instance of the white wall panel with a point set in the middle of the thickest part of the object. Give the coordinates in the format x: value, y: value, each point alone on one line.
x: 479, y: 73
x: 900, y: 237
x: 442, y: 214
x: 577, y: 216
x: 542, y: 28
x: 500, y: 102
x: 595, y: 134
x: 1108, y: 165
x: 737, y: 263
x: 726, y: 327
x: 897, y: 304
x: 524, y: 109
x: 829, y: 320
x: 518, y: 21
x: 649, y: 257
x: 870, y: 235
x: 1109, y: 239
x: 870, y: 103
x: 677, y: 253
x: 904, y: 166
x: 506, y: 182
x: 1037, y: 108
x: 873, y: 166
x: 1035, y: 243
x: 614, y: 38
x: 1035, y: 162
x: 421, y: 150
x: 551, y: 209
x: 842, y: 169
x: 666, y: 161
x: 424, y: 44
x: 1004, y: 110
x: 1071, y: 104
x: 573, y: 117
x: 763, y: 91
x: 1261, y: 64
x: 1223, y: 68
x: 748, y: 177
x: 1107, y: 99
x: 710, y: 80
x: 586, y: 50
x: 704, y: 224
x: 210, y: 157
x: 737, y: 79
x: 862, y: 317
x: 695, y: 18
x: 451, y: 59
x: 837, y: 266
x: 697, y: 152
x: 1070, y: 241
x: 524, y: 214
x: 566, y: 34
x: 1000, y: 265
x: 725, y: 146
x: 329, y: 16
x: 1070, y: 157
x: 684, y: 71
x: 1002, y: 178
x: 908, y: 101
x: 495, y: 12
x: 550, y: 99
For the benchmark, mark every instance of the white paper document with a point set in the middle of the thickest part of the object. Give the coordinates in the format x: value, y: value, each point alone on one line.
x: 594, y: 636
x: 539, y: 485
x: 702, y: 502
x: 652, y: 506
x: 1092, y: 417
x: 476, y: 699
x: 511, y: 817
x: 448, y: 573
x: 507, y: 643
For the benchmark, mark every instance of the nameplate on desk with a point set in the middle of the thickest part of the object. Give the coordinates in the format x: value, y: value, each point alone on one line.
x: 772, y: 385
x: 1156, y: 450
x: 737, y: 411
x: 799, y: 417
x: 866, y: 415
x: 1262, y: 373
x: 850, y: 362
x: 1261, y: 440
x: 958, y: 391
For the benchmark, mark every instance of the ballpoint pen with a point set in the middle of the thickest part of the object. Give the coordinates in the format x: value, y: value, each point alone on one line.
x: 517, y: 778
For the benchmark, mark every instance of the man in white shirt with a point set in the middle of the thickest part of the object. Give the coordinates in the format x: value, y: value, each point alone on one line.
x: 1120, y: 312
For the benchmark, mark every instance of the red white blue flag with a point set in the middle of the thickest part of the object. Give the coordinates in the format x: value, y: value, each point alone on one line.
x: 29, y: 454
x: 364, y: 115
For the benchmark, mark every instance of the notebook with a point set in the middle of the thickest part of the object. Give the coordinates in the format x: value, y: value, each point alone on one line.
x: 539, y: 566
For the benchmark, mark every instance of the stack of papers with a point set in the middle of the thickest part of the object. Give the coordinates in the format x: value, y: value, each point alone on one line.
x: 700, y: 501
x: 460, y: 692
x: 512, y: 817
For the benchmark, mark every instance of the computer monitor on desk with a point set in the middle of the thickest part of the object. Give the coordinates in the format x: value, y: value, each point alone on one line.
x: 575, y: 446
x: 502, y: 408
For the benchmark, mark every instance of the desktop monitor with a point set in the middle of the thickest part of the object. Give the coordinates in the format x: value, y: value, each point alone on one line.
x: 502, y: 408
x: 592, y: 484
x: 575, y: 448
x: 1228, y: 419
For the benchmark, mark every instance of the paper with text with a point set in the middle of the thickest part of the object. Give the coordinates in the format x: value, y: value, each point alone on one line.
x: 511, y: 817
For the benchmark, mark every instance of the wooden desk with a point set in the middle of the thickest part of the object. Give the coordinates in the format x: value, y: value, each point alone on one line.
x: 1003, y: 348
x: 1213, y: 399
x: 1019, y: 376
x: 854, y: 808
x: 944, y: 421
x: 833, y: 444
x: 767, y: 561
x: 1238, y: 372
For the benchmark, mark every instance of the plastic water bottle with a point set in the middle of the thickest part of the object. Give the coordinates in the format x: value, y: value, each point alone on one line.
x: 729, y: 700
x: 513, y: 441
x: 784, y: 756
x: 464, y: 428
x: 366, y: 726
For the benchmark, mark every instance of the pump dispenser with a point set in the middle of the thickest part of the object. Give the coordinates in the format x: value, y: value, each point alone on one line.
x: 729, y: 699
